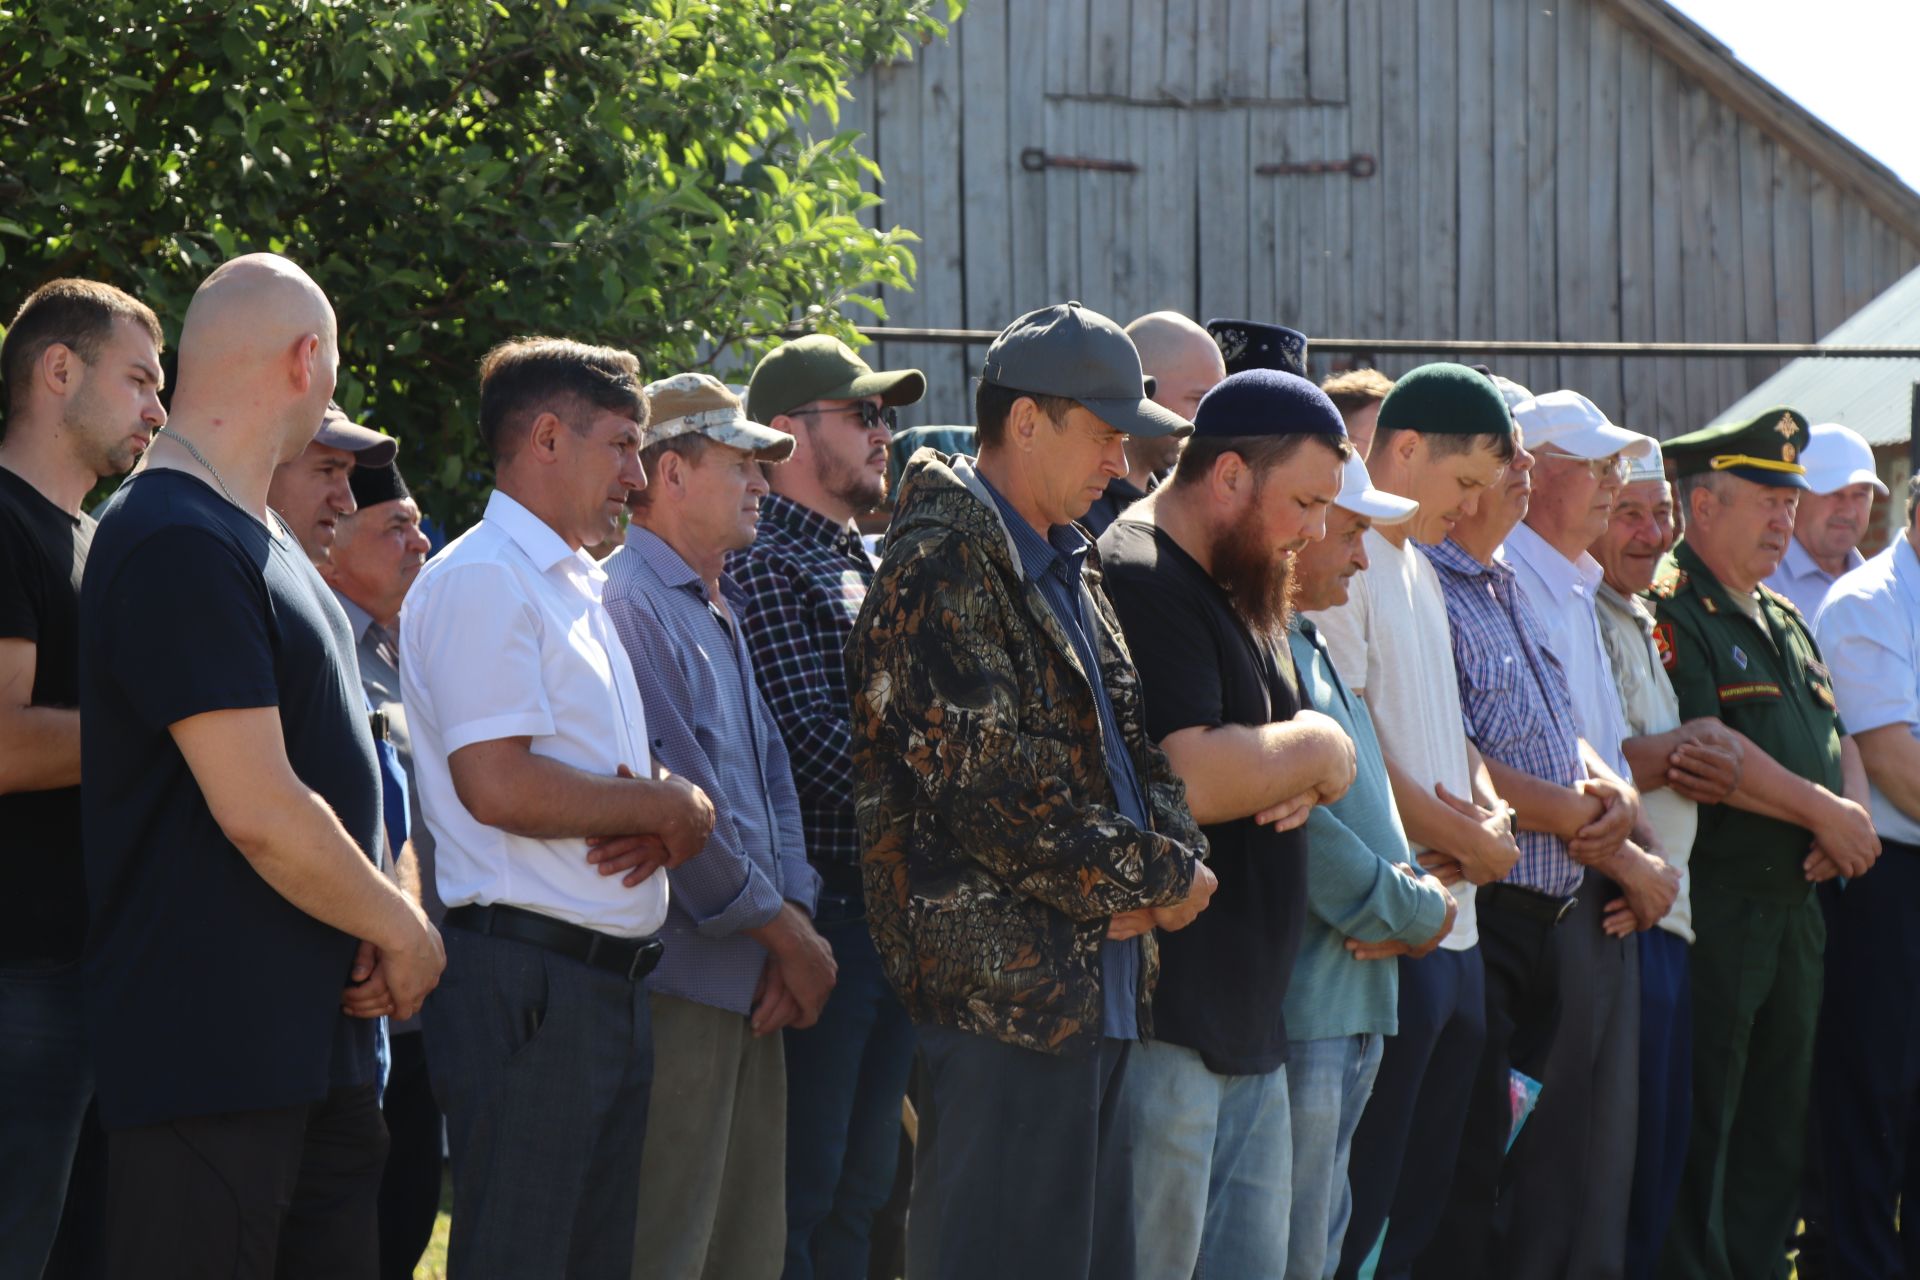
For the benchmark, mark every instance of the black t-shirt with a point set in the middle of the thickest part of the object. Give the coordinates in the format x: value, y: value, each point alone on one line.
x: 42, y: 553
x: 207, y: 991
x: 1224, y: 977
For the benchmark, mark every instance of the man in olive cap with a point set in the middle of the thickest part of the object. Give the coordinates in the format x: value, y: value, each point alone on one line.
x: 1011, y: 807
x: 1740, y: 652
x: 803, y: 580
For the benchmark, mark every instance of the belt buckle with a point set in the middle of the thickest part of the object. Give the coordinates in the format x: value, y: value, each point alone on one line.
x: 644, y: 957
x: 1566, y: 908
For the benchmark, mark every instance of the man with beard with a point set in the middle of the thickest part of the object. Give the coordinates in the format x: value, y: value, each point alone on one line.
x: 81, y: 362
x: 1569, y: 809
x: 1367, y: 901
x: 1198, y: 574
x: 1444, y: 437
x: 1571, y: 1219
x: 1832, y: 516
x: 803, y: 581
x: 377, y: 552
x: 1182, y: 363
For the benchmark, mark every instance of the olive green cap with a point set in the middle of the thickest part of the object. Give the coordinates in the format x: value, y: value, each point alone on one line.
x: 1765, y: 450
x: 821, y: 367
x: 1446, y: 399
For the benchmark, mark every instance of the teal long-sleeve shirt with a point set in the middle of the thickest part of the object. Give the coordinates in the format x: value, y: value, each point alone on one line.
x: 1353, y: 890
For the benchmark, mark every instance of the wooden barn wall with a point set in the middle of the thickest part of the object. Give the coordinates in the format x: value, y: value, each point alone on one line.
x: 1542, y: 173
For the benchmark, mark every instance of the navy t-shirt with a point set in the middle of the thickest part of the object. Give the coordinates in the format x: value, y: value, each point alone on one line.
x: 207, y: 992
x: 1224, y: 977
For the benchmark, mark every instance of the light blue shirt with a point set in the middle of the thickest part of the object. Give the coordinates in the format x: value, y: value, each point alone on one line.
x: 1804, y: 582
x: 1869, y: 635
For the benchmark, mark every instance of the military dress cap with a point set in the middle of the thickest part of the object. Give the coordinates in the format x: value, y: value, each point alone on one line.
x: 1765, y: 450
x: 1076, y: 353
x: 1446, y: 399
x: 1248, y: 344
x: 1267, y: 402
x: 701, y: 404
x: 1836, y: 457
x: 368, y: 447
x: 821, y: 367
x: 374, y: 485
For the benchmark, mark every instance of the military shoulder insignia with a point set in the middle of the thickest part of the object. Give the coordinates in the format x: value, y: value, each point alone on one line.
x: 1663, y: 641
x: 1706, y: 602
x: 1770, y: 594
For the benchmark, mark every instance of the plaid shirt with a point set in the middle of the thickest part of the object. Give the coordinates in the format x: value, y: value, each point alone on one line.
x: 1515, y: 696
x: 805, y: 578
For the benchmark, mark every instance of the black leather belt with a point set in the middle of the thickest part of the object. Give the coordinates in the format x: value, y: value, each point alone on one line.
x: 1531, y: 903
x: 631, y: 958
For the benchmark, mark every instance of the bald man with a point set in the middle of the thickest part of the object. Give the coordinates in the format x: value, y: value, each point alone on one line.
x: 241, y: 939
x: 1183, y: 363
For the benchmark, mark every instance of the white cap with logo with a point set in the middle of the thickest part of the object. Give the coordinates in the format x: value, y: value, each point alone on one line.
x: 1836, y: 457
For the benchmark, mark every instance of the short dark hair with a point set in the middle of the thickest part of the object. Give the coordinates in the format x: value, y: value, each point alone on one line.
x: 525, y: 377
x: 690, y: 445
x: 992, y: 404
x: 1450, y: 444
x: 76, y: 314
x: 1260, y: 453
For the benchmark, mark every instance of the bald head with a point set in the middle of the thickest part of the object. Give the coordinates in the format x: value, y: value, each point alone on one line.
x: 1179, y: 356
x: 259, y: 344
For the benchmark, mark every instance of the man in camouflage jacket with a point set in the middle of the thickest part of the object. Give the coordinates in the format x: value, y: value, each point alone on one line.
x: 1020, y: 834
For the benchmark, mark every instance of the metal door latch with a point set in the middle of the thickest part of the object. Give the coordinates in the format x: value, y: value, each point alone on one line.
x: 1035, y: 159
x: 1356, y: 166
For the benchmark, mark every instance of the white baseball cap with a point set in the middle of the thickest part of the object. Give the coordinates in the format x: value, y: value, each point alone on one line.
x: 1647, y: 466
x: 1836, y: 457
x: 1512, y: 392
x: 1574, y: 424
x: 1358, y: 495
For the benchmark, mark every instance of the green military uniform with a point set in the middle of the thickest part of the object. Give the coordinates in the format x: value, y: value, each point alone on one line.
x: 1757, y: 962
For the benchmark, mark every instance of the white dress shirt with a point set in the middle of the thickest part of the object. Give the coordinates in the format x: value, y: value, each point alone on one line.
x: 1801, y: 580
x: 1563, y: 594
x: 503, y: 635
x: 1869, y: 634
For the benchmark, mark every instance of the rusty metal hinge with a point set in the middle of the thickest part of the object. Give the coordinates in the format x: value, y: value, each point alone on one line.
x: 1356, y: 166
x: 1035, y: 159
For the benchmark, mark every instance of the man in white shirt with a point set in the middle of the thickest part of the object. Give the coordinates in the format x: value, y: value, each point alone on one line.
x: 550, y: 825
x: 1569, y: 1213
x: 1832, y: 516
x: 1444, y: 437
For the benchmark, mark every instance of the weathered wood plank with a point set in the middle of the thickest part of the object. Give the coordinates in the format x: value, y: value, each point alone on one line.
x: 1485, y: 146
x: 1297, y: 205
x: 1886, y: 256
x: 1669, y: 282
x: 1315, y: 127
x: 1287, y: 49
x: 990, y: 176
x: 1856, y: 262
x: 1572, y: 276
x: 1212, y: 34
x: 1063, y: 203
x: 1541, y: 108
x: 940, y: 291
x: 1601, y: 378
x: 1172, y: 166
x: 1366, y: 202
x: 1126, y: 195
x: 1177, y: 83
x: 1724, y: 227
x: 1147, y: 47
x: 1436, y: 310
x: 1225, y: 212
x: 1700, y: 304
x: 1267, y: 141
x: 1067, y: 46
x: 1640, y: 394
x: 1327, y: 50
x: 1792, y: 249
x: 1829, y: 284
x: 1246, y: 54
x: 1026, y: 53
x: 1099, y: 192
x: 1337, y: 221
x: 1109, y: 41
x: 1759, y: 294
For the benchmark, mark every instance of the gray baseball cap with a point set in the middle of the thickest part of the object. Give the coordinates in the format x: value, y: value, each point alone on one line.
x: 368, y: 447
x: 1075, y: 352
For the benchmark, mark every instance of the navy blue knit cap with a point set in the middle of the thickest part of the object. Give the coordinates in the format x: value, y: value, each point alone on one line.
x: 1267, y: 402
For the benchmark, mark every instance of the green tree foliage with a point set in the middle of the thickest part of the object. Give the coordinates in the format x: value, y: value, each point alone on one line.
x: 456, y: 173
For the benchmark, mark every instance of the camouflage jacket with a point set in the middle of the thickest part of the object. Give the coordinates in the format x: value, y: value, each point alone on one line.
x: 991, y: 852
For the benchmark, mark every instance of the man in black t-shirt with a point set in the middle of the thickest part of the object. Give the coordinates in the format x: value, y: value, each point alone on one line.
x: 81, y: 364
x: 233, y: 817
x: 1198, y: 574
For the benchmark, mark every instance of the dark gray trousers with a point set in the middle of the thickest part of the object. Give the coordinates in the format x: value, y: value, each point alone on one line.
x: 542, y: 1067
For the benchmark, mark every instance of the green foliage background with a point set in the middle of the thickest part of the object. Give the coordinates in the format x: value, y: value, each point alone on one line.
x: 456, y: 173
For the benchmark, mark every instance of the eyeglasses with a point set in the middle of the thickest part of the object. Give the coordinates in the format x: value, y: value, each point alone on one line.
x: 1614, y: 468
x: 871, y: 414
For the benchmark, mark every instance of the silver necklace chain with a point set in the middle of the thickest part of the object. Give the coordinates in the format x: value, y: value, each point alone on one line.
x: 200, y: 458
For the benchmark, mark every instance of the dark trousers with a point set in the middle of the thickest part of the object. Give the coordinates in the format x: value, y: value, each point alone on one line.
x: 410, y: 1187
x: 1523, y: 1007
x: 281, y: 1194
x: 846, y: 1078
x: 1404, y: 1150
x: 1666, y: 1095
x: 46, y: 1083
x: 541, y: 1065
x: 1023, y: 1168
x: 1867, y: 1069
x: 1564, y: 1210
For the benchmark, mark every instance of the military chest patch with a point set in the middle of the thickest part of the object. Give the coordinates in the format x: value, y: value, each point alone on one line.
x: 1751, y: 692
x: 1740, y: 656
x: 1663, y: 641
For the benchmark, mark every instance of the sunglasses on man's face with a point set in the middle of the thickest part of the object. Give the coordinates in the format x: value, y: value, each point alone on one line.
x: 871, y: 414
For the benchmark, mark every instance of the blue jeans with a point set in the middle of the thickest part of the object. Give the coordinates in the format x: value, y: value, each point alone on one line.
x: 846, y: 1077
x: 1212, y: 1167
x: 46, y: 1081
x: 1329, y: 1082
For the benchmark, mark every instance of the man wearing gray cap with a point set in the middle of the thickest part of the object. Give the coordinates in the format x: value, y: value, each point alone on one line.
x: 1832, y: 516
x: 742, y: 959
x: 1011, y: 806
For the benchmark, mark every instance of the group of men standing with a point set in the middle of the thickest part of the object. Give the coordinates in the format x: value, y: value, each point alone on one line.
x: 1243, y: 799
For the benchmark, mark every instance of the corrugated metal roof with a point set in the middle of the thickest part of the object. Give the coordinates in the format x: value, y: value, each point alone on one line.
x: 1874, y: 397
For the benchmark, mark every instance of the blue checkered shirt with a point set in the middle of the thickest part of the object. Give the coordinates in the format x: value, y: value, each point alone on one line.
x: 803, y: 581
x: 1516, y: 699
